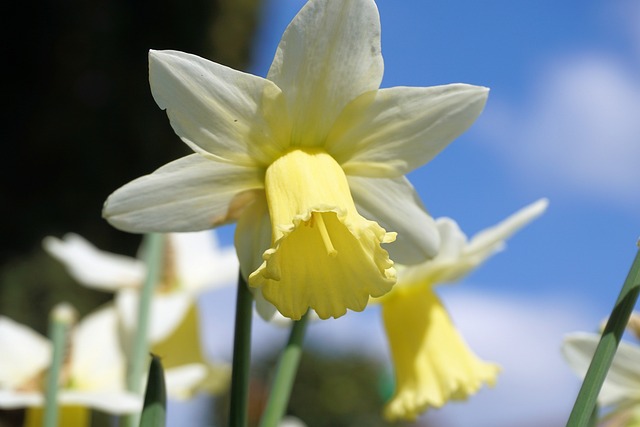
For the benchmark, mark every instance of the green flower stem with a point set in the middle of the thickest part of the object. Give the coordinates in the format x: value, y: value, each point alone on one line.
x: 62, y: 317
x: 588, y: 394
x: 152, y: 245
x: 241, y: 356
x: 285, y: 375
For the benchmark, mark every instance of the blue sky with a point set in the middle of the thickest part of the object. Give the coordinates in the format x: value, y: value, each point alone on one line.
x: 563, y: 122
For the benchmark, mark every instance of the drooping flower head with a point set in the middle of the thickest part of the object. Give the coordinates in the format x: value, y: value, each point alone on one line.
x: 310, y: 161
x: 432, y: 362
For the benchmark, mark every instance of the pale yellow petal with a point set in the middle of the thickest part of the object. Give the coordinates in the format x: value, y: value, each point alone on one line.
x: 431, y: 360
x: 324, y: 255
x: 328, y: 55
x: 189, y: 194
x: 389, y: 132
x: 218, y: 110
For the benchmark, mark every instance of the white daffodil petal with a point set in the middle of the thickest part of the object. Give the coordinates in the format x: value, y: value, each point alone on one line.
x: 189, y: 194
x: 390, y: 132
x: 623, y: 379
x: 24, y: 353
x: 117, y: 402
x: 12, y: 399
x: 167, y: 311
x: 182, y: 381
x: 216, y: 109
x: 252, y: 239
x: 93, y: 267
x: 200, y: 263
x: 329, y: 55
x: 97, y: 362
x: 253, y: 235
x: 395, y: 205
x: 488, y: 239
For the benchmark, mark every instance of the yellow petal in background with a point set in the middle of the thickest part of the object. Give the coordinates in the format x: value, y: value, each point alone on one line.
x: 432, y: 362
x: 324, y: 255
x: 68, y: 416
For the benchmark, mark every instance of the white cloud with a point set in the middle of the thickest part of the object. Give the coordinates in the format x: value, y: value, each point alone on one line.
x: 580, y: 131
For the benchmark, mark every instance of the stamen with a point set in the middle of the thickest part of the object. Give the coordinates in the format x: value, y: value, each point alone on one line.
x: 331, y: 251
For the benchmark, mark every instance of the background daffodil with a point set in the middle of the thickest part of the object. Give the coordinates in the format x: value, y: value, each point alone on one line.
x: 620, y: 392
x: 431, y: 360
x: 193, y: 263
x: 310, y: 161
x: 93, y: 375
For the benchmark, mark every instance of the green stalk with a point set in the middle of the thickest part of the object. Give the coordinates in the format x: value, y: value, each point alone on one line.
x: 241, y: 356
x: 587, y: 396
x: 153, y: 245
x: 62, y: 317
x: 285, y: 375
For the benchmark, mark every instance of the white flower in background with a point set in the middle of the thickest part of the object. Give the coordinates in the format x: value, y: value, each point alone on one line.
x: 620, y: 393
x: 432, y: 362
x: 193, y: 263
x: 93, y: 374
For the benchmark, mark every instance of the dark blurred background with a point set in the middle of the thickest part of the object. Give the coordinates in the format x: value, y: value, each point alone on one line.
x: 80, y: 122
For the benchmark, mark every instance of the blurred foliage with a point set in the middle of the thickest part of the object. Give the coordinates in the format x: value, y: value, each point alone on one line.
x: 82, y: 122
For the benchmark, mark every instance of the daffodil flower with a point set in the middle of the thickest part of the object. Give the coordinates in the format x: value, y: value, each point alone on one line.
x: 432, y: 362
x: 310, y: 161
x: 620, y: 393
x: 193, y: 263
x: 92, y: 376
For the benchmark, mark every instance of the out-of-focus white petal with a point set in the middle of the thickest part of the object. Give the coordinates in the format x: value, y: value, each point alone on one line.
x: 291, y: 421
x: 183, y: 381
x: 93, y: 267
x: 13, y: 399
x: 23, y: 354
x: 328, y: 55
x: 390, y: 132
x: 96, y: 361
x: 167, y: 311
x: 113, y: 402
x: 200, y: 263
x: 189, y: 194
x: 216, y: 109
x: 395, y: 206
x: 485, y: 242
x: 622, y: 384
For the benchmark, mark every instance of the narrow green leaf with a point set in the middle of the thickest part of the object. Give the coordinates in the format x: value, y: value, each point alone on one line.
x: 154, y: 410
x: 585, y: 404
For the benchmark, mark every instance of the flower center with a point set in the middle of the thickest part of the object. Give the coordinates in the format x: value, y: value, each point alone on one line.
x: 316, y: 218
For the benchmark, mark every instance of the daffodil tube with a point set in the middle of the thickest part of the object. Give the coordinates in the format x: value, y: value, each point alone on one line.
x: 323, y: 254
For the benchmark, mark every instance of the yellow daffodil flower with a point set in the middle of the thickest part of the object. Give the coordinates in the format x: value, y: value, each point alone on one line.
x: 193, y: 263
x: 432, y: 362
x: 310, y: 161
x: 92, y: 376
x: 620, y: 393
